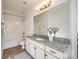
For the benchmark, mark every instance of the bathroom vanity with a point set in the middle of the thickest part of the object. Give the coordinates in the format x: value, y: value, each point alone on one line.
x: 39, y: 46
x: 45, y: 49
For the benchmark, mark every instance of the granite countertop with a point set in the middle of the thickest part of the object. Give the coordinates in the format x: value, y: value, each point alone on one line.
x: 59, y: 44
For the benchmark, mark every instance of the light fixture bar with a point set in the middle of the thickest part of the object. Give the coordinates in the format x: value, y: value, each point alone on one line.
x: 43, y: 5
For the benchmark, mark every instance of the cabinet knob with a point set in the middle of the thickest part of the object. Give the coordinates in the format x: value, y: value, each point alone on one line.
x: 45, y: 54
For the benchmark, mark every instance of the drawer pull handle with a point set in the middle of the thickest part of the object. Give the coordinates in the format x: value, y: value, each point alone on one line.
x: 34, y: 47
x: 52, y: 52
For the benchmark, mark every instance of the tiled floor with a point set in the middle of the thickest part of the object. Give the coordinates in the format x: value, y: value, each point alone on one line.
x: 15, y: 53
x: 23, y: 55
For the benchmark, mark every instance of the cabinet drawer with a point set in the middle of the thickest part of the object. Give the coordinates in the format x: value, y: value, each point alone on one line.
x: 38, y: 44
x: 54, y: 52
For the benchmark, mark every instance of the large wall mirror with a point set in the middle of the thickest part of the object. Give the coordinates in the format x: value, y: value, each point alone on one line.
x: 57, y: 16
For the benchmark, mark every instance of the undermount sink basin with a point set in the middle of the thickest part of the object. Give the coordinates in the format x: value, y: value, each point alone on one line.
x: 40, y: 39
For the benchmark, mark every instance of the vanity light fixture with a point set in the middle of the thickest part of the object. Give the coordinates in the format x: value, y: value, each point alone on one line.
x: 43, y: 5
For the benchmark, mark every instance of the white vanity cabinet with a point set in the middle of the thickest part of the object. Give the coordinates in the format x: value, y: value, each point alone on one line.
x: 39, y: 53
x: 37, y: 50
x: 32, y: 50
x: 50, y: 56
x: 27, y: 45
x: 52, y: 53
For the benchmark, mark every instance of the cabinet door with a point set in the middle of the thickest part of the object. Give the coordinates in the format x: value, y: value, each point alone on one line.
x: 27, y: 46
x: 49, y: 56
x: 32, y: 50
x: 39, y: 53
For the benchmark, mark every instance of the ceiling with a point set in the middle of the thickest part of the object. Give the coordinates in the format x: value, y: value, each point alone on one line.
x: 17, y: 5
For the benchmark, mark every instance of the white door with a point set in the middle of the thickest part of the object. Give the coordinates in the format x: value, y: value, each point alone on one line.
x: 39, y: 53
x: 13, y: 30
x: 49, y: 56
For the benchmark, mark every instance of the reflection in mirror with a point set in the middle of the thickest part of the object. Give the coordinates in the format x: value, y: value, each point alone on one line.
x: 57, y: 16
